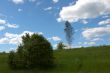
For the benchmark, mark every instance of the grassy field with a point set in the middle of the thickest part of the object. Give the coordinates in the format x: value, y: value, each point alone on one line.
x: 82, y: 60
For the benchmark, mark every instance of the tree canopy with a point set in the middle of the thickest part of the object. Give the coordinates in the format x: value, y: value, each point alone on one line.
x: 34, y: 52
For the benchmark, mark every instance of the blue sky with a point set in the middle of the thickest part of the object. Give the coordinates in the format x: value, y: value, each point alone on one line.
x: 90, y: 20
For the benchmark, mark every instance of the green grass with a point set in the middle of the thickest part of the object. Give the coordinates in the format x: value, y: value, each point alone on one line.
x: 82, y: 60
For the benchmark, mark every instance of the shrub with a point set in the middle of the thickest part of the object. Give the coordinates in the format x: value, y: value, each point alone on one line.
x: 34, y: 52
x: 60, y: 46
x: 11, y: 59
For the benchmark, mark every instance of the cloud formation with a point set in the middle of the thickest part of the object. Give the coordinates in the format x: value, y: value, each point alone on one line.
x: 84, y: 10
x: 2, y: 21
x: 10, y: 38
x: 104, y: 22
x: 2, y: 28
x: 55, y: 1
x: 12, y: 25
x: 55, y: 38
x: 8, y: 24
x: 89, y: 43
x: 48, y: 8
x: 18, y: 1
x: 22, y: 1
x: 19, y: 10
x: 96, y: 32
x: 32, y: 0
x: 84, y: 21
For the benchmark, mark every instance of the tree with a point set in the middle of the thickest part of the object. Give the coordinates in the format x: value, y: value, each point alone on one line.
x: 69, y: 33
x: 11, y: 61
x: 34, y: 52
x: 60, y: 46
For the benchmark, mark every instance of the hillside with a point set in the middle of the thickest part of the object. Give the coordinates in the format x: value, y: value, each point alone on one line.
x: 82, y: 60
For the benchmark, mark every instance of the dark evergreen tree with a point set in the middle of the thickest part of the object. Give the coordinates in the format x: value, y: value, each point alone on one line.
x: 69, y: 33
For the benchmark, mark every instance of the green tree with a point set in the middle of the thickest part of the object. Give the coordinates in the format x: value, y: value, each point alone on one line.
x: 60, y: 46
x: 34, y: 52
x: 11, y: 59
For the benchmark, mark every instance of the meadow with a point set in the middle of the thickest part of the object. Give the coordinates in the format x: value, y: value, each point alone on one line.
x: 80, y: 60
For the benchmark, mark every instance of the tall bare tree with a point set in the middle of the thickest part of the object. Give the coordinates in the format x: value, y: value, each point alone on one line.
x: 69, y: 33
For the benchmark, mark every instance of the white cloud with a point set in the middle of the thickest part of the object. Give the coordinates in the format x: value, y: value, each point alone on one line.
x: 2, y: 21
x: 12, y: 25
x: 84, y: 21
x: 89, y: 43
x: 59, y: 20
x: 10, y: 38
x: 104, y: 22
x: 55, y: 38
x: 22, y: 1
x: 76, y: 46
x: 84, y: 10
x: 106, y: 16
x: 48, y: 8
x: 19, y: 10
x: 55, y: 1
x: 96, y: 32
x: 6, y: 23
x: 10, y: 35
x: 97, y: 39
x: 32, y: 0
x: 2, y: 28
x: 18, y: 1
x: 16, y: 38
x: 4, y: 40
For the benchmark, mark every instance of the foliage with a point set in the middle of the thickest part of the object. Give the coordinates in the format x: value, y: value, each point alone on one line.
x: 11, y: 59
x: 69, y: 33
x: 34, y: 52
x: 60, y: 46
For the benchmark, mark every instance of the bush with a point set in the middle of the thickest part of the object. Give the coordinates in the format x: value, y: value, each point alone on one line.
x: 34, y: 52
x: 60, y: 46
x: 11, y: 59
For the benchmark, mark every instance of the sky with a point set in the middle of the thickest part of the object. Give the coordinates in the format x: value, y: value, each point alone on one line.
x: 89, y: 18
